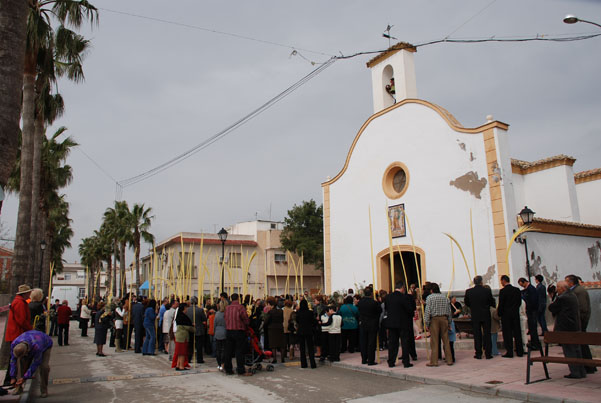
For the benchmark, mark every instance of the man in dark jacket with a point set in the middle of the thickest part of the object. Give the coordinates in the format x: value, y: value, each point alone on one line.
x: 531, y: 297
x: 137, y: 313
x: 199, y: 321
x: 369, y: 317
x: 584, y: 309
x: 541, y: 291
x: 480, y: 299
x: 567, y: 319
x: 399, y: 310
x: 510, y: 301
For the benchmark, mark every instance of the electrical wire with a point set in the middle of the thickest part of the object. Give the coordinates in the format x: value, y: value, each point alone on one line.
x: 214, y: 31
x: 219, y: 135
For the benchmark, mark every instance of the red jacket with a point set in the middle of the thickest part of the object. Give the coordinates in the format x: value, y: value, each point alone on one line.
x: 19, y: 319
x: 63, y: 315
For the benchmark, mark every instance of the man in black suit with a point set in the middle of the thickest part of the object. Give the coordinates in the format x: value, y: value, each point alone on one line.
x: 480, y: 299
x: 399, y: 310
x: 530, y: 295
x: 138, y: 319
x: 567, y: 319
x: 369, y: 317
x: 510, y: 300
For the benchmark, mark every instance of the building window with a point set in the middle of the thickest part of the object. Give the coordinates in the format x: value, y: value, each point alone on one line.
x: 81, y: 274
x: 280, y: 257
x: 67, y: 276
x: 273, y: 225
x: 235, y: 261
x: 396, y: 180
x: 82, y: 293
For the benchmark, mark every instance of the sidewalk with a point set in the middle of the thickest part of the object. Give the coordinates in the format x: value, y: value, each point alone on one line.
x: 503, y: 377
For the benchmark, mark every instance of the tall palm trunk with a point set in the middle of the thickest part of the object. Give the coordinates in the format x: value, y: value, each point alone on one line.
x: 116, y: 285
x: 21, y: 273
x: 122, y: 262
x: 109, y: 277
x: 13, y: 29
x: 36, y: 175
x: 137, y: 253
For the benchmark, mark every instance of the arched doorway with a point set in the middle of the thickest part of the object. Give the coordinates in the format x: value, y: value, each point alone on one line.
x: 404, y: 252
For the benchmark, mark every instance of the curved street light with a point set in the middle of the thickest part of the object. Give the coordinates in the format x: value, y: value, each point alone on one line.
x: 572, y: 19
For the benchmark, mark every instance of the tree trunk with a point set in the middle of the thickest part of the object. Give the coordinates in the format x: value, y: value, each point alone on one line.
x: 21, y: 273
x: 109, y: 277
x: 138, y: 268
x: 35, y: 236
x: 117, y: 285
x: 122, y: 263
x: 13, y: 29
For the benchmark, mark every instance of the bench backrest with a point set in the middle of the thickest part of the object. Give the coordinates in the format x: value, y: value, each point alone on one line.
x: 573, y: 338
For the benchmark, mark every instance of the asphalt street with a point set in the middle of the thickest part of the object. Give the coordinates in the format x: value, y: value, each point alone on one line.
x: 78, y: 375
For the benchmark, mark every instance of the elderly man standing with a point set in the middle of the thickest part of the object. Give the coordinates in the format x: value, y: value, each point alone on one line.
x: 438, y: 319
x: 531, y: 297
x: 584, y: 309
x: 28, y: 352
x: 480, y: 300
x: 567, y: 319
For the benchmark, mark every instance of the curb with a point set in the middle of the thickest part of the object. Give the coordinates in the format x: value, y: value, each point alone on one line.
x: 484, y: 390
x: 25, y: 396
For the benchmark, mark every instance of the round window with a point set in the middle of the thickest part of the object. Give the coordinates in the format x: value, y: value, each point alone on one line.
x: 395, y: 180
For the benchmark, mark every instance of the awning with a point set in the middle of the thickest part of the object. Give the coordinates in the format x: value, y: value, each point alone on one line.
x: 145, y: 286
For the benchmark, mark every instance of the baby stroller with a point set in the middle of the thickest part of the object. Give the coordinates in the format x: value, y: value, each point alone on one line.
x: 254, y: 355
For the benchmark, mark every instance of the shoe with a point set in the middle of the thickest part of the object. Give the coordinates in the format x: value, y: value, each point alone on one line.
x: 449, y: 363
x: 414, y: 358
x: 363, y: 362
x: 573, y: 376
x: 43, y: 395
x: 229, y: 372
x: 591, y: 370
x: 507, y: 356
x: 478, y: 357
x: 66, y: 344
x: 391, y: 365
x: 372, y: 363
x: 313, y: 366
x: 418, y: 337
x: 520, y: 355
x: 489, y: 357
x: 431, y: 365
x: 200, y: 362
x: 407, y: 366
x: 101, y: 355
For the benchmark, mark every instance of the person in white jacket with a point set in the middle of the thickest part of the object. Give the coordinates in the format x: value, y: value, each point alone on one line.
x: 332, y: 321
x: 168, y: 318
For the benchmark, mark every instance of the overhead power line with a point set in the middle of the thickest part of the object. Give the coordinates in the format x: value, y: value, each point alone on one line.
x: 219, y: 135
x: 214, y: 31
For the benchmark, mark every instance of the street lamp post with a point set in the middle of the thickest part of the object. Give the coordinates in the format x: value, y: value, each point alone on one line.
x: 222, y: 237
x: 572, y: 19
x: 42, y: 248
x: 527, y: 217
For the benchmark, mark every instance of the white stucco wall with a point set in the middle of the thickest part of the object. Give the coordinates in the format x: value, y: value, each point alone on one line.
x: 551, y: 193
x: 589, y: 200
x: 434, y: 154
x: 555, y: 256
x: 402, y: 66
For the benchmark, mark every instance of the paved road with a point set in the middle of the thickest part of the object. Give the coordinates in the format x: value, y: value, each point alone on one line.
x: 77, y: 375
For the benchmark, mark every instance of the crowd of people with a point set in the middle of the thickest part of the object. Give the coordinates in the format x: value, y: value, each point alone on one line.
x: 319, y: 327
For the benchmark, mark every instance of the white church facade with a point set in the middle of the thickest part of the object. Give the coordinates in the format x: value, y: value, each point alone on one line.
x: 413, y: 165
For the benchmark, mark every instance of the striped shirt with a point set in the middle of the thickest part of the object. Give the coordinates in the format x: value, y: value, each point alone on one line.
x: 236, y: 317
x: 437, y: 305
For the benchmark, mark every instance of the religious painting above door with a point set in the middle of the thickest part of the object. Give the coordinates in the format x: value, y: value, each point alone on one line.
x: 396, y: 214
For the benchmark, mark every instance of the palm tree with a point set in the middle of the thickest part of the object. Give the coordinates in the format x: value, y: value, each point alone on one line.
x: 13, y: 29
x: 118, y: 222
x: 39, y: 36
x: 140, y: 224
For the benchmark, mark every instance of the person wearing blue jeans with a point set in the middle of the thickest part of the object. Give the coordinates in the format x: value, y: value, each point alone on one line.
x: 149, y: 318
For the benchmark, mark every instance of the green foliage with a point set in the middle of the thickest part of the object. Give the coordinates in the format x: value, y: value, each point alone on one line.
x: 303, y: 232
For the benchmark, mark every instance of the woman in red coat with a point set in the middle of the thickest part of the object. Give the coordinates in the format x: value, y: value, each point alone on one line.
x: 19, y: 317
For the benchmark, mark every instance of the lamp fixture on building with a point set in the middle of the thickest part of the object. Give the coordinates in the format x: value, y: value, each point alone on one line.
x: 572, y: 19
x: 222, y: 237
x: 527, y: 217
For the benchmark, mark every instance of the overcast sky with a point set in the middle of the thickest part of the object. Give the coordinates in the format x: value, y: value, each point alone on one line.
x: 154, y: 90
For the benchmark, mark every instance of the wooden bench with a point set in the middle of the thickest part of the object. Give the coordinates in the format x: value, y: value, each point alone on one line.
x: 577, y: 338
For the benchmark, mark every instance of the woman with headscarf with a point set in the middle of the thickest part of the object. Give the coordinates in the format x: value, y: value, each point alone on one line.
x: 183, y: 327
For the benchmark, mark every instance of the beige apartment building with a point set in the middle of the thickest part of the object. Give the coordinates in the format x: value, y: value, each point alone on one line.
x: 271, y: 264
